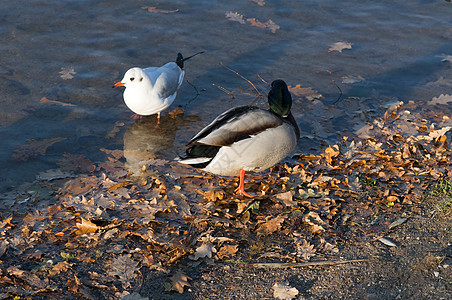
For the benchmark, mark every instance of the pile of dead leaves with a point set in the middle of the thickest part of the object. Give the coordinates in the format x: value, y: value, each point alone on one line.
x: 105, y: 229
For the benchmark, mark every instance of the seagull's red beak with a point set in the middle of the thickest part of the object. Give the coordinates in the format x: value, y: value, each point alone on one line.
x: 118, y: 84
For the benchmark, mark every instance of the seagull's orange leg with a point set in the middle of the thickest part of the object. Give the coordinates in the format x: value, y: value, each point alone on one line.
x: 241, y: 189
x: 158, y: 121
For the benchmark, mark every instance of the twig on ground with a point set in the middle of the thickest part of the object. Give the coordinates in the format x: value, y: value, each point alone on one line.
x: 304, y: 264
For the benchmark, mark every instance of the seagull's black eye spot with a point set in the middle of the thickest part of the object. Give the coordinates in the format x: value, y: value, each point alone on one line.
x: 132, y: 78
x: 141, y: 78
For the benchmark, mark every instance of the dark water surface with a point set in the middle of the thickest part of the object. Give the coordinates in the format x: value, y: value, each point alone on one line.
x: 399, y: 52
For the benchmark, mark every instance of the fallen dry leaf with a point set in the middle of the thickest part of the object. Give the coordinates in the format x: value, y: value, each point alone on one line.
x: 124, y: 267
x: 15, y: 271
x: 284, y: 291
x: 434, y: 134
x: 397, y: 223
x: 304, y: 249
x: 119, y: 185
x: 287, y: 198
x: 29, y: 277
x: 313, y: 220
x: 212, y: 194
x: 327, y: 247
x: 387, y: 242
x: 270, y: 225
x: 178, y: 281
x: 339, y: 46
x: 331, y: 153
x: 227, y: 251
x: 3, y: 247
x: 85, y: 227
x: 61, y: 266
x: 205, y: 250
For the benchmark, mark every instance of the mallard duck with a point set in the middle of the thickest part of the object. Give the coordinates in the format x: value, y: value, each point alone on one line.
x: 150, y: 91
x: 246, y: 138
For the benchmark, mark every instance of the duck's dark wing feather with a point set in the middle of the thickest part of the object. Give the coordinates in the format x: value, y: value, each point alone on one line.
x: 199, y: 156
x: 236, y: 124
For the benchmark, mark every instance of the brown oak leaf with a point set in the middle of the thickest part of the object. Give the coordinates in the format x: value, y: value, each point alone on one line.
x: 125, y: 268
x: 284, y: 291
x: 270, y: 225
x: 177, y: 282
x: 227, y: 251
x: 85, y: 227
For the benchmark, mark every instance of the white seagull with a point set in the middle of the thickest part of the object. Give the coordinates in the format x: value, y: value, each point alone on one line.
x: 151, y: 90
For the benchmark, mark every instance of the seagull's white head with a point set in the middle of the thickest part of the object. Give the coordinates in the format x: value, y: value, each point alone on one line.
x: 133, y: 77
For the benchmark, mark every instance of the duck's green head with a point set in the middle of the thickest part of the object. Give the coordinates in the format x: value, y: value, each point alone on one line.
x: 279, y: 98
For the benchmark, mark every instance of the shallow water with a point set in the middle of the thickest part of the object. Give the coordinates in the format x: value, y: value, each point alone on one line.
x: 398, y: 51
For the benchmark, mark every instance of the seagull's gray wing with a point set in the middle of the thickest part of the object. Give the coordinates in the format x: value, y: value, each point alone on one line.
x: 166, y: 79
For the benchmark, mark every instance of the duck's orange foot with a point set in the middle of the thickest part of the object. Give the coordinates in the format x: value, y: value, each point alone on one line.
x: 241, y: 191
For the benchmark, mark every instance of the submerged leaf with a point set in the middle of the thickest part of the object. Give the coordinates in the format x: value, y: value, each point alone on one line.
x: 45, y: 100
x: 154, y: 9
x: 34, y: 148
x: 259, y: 2
x: 67, y: 73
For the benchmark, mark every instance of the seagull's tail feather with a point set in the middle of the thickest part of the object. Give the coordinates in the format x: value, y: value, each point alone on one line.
x: 180, y: 59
